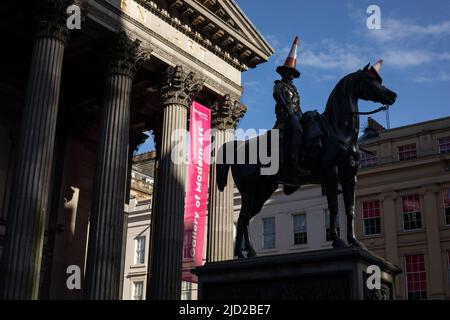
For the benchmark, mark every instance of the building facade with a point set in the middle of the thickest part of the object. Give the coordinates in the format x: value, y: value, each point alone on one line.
x: 289, y: 224
x: 402, y: 208
x: 76, y: 104
x: 403, y: 204
x: 137, y: 227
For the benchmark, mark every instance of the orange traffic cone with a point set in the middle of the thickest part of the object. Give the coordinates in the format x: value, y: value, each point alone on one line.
x: 376, y: 68
x: 290, y: 65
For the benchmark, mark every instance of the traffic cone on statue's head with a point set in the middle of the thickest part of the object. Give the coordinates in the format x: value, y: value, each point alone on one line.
x: 376, y: 68
x: 290, y: 65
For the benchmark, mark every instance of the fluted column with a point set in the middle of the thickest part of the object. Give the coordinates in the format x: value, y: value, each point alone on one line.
x: 225, y: 117
x: 431, y: 212
x: 29, y: 194
x: 177, y: 91
x: 390, y: 230
x: 105, y: 234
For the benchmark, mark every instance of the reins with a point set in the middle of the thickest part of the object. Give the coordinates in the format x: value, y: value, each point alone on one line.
x: 383, y: 108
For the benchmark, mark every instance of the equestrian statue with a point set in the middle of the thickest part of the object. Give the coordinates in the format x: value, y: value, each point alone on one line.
x: 315, y: 149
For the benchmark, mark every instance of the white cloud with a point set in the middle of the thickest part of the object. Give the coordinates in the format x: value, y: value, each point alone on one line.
x: 411, y: 58
x: 327, y: 55
x: 441, y: 77
x: 340, y: 59
x: 396, y: 29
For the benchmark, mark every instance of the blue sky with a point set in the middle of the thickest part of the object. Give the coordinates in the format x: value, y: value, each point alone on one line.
x: 414, y: 42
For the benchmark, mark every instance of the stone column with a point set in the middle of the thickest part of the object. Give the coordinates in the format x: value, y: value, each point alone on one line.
x: 29, y: 192
x: 177, y: 92
x: 225, y: 117
x: 434, y: 269
x: 105, y: 235
x: 391, y: 229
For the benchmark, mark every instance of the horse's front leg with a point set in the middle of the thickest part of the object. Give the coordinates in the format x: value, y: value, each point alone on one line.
x: 238, y: 246
x: 331, y: 185
x: 248, y: 245
x: 348, y: 182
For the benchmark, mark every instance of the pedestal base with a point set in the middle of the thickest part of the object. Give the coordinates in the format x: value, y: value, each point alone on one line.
x: 335, y: 274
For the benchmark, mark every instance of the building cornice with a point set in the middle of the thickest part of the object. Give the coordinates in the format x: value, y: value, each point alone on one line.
x: 112, y: 22
x: 209, y: 30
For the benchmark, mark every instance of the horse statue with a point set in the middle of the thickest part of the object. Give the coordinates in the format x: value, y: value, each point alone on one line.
x: 336, y: 162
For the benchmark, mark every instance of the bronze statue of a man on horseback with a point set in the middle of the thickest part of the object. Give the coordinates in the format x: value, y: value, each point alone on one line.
x: 315, y: 148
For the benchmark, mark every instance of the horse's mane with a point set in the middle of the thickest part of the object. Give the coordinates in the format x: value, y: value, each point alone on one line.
x: 337, y: 101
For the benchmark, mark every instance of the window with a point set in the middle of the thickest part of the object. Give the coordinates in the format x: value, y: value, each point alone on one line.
x: 187, y: 244
x: 407, y: 152
x: 371, y: 217
x: 138, y: 290
x: 269, y: 233
x: 412, y: 218
x: 327, y: 225
x: 416, y: 277
x: 186, y: 290
x: 300, y: 233
x: 368, y: 160
x: 140, y: 250
x: 446, y: 196
x: 444, y: 145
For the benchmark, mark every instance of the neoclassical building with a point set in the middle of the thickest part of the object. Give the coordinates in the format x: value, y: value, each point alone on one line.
x: 403, y: 204
x: 76, y: 104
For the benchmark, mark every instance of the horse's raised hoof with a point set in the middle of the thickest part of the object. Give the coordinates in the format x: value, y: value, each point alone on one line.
x: 339, y: 243
x: 357, y: 244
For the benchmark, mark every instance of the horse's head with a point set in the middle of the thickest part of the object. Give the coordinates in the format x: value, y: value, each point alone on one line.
x: 371, y: 88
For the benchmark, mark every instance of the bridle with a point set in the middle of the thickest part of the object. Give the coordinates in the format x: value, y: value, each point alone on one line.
x: 368, y: 113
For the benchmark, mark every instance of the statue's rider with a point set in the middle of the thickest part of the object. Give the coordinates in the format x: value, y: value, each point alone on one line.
x: 287, y: 108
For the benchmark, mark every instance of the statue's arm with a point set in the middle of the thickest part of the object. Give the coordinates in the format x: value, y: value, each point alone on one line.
x: 279, y: 95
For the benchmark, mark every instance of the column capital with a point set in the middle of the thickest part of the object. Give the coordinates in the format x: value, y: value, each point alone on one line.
x: 227, y: 113
x: 180, y: 87
x: 51, y: 19
x: 127, y: 55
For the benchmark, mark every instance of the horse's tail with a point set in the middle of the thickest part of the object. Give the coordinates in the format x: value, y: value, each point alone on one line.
x: 222, y: 175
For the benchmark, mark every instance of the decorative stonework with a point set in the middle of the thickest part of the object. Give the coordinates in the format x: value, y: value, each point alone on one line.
x: 52, y: 19
x: 226, y: 115
x: 193, y: 34
x: 169, y: 55
x: 127, y: 55
x: 179, y: 87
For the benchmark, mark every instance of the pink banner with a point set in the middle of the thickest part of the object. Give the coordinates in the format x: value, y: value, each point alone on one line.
x: 197, y: 189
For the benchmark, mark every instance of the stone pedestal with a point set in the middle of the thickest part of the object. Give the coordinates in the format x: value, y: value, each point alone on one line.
x: 334, y: 274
